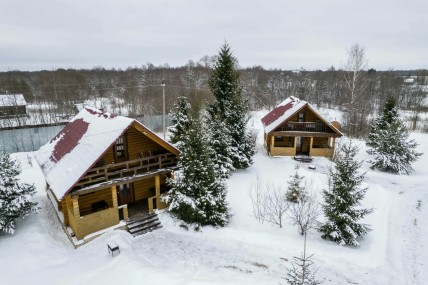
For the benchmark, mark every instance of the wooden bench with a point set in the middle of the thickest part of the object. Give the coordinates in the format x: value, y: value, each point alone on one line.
x: 112, y: 248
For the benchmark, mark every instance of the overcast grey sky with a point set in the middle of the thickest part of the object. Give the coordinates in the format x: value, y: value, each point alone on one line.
x: 48, y: 34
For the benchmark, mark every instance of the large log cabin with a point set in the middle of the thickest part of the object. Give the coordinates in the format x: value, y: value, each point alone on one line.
x: 100, y: 165
x: 295, y: 128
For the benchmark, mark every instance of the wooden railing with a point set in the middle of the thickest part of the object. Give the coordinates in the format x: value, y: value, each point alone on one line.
x: 304, y: 127
x: 127, y: 169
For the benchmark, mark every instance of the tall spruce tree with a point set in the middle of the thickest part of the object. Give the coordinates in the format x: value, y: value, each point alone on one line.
x: 14, y: 196
x: 389, y: 142
x: 198, y: 194
x: 231, y: 108
x: 180, y: 121
x: 220, y: 142
x: 342, y: 199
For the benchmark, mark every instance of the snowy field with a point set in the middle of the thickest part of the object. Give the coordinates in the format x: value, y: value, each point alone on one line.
x: 244, y: 252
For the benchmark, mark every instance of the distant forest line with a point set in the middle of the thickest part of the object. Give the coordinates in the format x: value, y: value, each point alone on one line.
x: 137, y: 91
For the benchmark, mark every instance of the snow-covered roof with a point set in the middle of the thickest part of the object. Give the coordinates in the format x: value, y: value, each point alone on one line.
x: 287, y: 109
x: 282, y: 112
x: 12, y: 100
x: 69, y: 155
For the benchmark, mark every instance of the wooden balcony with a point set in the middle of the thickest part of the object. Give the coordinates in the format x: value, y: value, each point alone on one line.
x: 131, y: 168
x: 305, y: 127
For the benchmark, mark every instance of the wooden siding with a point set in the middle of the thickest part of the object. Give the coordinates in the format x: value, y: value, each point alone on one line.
x: 64, y: 211
x: 325, y: 152
x: 95, y: 222
x: 145, y: 188
x: 139, y: 144
x: 320, y: 142
x: 72, y: 220
x: 142, y: 188
x: 109, y: 156
x: 87, y: 224
x: 310, y: 116
x: 86, y: 200
x: 282, y: 151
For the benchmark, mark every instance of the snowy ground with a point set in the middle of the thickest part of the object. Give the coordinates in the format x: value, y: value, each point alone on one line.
x: 244, y: 252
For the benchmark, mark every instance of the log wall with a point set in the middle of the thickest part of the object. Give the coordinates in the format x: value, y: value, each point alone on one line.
x: 325, y: 152
x: 95, y: 222
x: 282, y: 151
x: 142, y: 187
x: 109, y: 156
x: 86, y: 201
x: 138, y: 144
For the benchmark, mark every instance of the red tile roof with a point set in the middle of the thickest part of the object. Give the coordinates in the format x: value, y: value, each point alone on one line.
x: 277, y: 112
x: 68, y: 138
x: 282, y: 112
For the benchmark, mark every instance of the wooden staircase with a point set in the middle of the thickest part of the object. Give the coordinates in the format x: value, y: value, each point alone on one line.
x: 143, y: 224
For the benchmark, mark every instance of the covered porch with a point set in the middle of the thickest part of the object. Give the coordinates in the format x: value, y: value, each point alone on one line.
x: 286, y: 143
x: 100, y: 206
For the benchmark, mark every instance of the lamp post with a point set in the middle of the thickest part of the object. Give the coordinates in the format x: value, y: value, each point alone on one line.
x: 163, y: 109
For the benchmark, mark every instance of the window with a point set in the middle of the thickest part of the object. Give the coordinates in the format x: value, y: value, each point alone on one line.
x: 120, y: 148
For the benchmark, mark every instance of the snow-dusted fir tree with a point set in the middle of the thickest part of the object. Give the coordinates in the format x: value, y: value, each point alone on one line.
x: 301, y: 272
x: 180, y: 121
x: 230, y: 107
x: 295, y: 190
x: 198, y: 194
x: 343, y: 197
x: 220, y: 141
x: 14, y: 196
x: 389, y: 142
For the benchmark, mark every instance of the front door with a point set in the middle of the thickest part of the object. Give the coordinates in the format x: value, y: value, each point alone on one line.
x: 125, y: 194
x: 299, y: 145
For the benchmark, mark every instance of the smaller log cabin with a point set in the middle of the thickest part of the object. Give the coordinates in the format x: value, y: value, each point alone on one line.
x: 12, y: 106
x: 100, y: 166
x: 295, y: 128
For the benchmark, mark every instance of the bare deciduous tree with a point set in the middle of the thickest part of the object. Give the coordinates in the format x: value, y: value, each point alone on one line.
x: 356, y: 81
x: 269, y: 203
x: 304, y: 212
x: 355, y: 71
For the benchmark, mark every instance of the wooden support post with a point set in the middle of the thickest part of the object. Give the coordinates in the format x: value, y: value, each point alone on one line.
x: 125, y: 213
x: 157, y: 188
x: 333, y: 146
x: 114, y: 196
x: 76, y: 211
x: 157, y: 185
x: 68, y: 205
x: 310, y: 145
x: 150, y: 202
x: 295, y: 145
